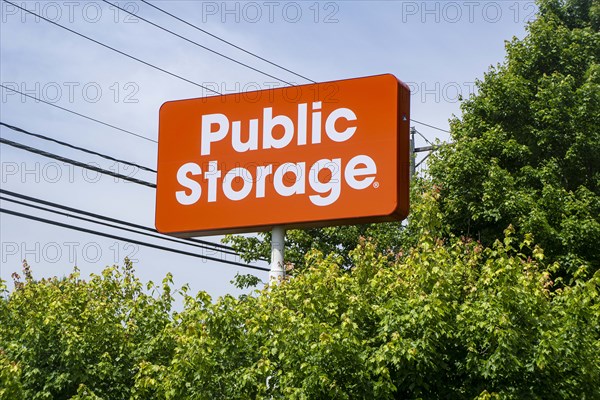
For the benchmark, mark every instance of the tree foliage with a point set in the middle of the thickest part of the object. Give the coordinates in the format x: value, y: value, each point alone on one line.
x: 444, y: 320
x: 68, y: 337
x: 338, y: 240
x: 526, y: 151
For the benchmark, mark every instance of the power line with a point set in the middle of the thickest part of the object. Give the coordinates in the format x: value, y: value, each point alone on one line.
x: 420, y: 134
x: 164, y: 70
x: 242, y: 49
x: 37, y: 135
x: 76, y: 163
x: 225, y: 41
x: 161, y: 69
x: 100, y: 170
x: 96, y: 169
x: 114, y: 49
x: 98, y: 216
x: 80, y: 115
x: 430, y: 126
x: 196, y: 43
x: 115, y: 237
x: 423, y: 159
x: 168, y: 238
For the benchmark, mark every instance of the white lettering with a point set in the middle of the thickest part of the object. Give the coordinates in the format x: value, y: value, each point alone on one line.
x: 241, y: 174
x: 270, y: 122
x: 322, y: 182
x: 333, y: 133
x: 236, y: 141
x: 261, y: 177
x: 353, y: 170
x: 299, y: 171
x: 277, y: 130
x: 182, y: 197
x: 208, y: 136
x: 316, y: 123
x: 333, y: 186
x: 211, y: 176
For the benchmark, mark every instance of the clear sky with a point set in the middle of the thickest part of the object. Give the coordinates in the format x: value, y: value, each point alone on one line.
x: 438, y: 47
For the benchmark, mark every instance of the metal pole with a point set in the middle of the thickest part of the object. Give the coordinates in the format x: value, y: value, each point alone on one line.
x: 277, y: 271
x: 413, y: 168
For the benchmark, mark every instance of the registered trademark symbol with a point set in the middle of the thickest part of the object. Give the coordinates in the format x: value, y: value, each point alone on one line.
x: 376, y: 185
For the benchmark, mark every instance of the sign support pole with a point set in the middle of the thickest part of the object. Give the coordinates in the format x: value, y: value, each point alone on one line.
x: 277, y: 271
x: 413, y: 157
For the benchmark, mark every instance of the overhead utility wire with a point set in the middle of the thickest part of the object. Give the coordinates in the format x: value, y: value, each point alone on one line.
x: 110, y: 236
x: 226, y: 41
x: 103, y: 171
x: 114, y: 49
x: 196, y: 43
x: 430, y: 126
x: 76, y: 163
x: 164, y: 70
x: 169, y: 238
x: 37, y: 135
x: 37, y: 151
x: 426, y: 140
x: 98, y: 216
x: 80, y: 115
x: 249, y: 52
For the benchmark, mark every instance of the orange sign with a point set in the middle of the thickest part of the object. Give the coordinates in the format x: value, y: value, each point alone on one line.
x: 303, y: 156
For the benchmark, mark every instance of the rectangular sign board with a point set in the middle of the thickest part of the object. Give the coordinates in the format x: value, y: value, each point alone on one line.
x: 302, y: 156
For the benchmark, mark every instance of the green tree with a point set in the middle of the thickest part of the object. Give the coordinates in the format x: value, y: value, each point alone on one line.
x: 526, y: 151
x: 68, y: 337
x: 338, y: 240
x: 443, y: 320
x: 451, y: 321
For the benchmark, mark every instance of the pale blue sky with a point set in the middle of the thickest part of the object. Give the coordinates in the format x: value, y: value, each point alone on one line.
x: 438, y: 47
